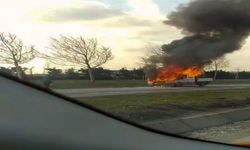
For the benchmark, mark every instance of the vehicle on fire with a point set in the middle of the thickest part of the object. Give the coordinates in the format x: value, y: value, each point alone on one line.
x: 176, y: 76
x: 185, y: 81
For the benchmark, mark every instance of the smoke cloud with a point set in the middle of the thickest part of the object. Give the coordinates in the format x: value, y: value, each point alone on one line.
x: 212, y: 28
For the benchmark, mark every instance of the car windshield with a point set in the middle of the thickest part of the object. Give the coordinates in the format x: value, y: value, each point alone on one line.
x: 179, y: 66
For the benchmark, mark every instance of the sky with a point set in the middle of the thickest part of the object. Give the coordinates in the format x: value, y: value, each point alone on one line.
x: 129, y: 27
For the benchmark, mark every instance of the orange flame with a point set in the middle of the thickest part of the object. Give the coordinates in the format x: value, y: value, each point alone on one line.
x: 174, y: 72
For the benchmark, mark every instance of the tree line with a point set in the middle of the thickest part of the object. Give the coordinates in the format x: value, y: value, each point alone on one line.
x: 134, y: 74
x: 98, y: 73
x: 121, y: 74
x: 220, y: 74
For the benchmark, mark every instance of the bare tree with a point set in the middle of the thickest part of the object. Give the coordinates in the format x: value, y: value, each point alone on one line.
x: 78, y: 51
x: 218, y: 64
x: 151, y: 61
x: 14, y: 52
x: 153, y: 56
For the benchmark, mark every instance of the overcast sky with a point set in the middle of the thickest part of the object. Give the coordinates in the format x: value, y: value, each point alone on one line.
x: 129, y: 27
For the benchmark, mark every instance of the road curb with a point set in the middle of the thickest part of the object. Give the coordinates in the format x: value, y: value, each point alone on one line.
x: 189, y: 124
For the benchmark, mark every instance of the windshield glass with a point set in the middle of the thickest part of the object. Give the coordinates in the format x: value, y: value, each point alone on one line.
x: 179, y: 66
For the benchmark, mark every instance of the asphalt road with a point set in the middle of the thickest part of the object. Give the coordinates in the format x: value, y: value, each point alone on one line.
x: 93, y: 92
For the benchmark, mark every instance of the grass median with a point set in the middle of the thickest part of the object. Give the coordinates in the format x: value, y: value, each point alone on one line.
x: 154, y: 106
x: 72, y: 84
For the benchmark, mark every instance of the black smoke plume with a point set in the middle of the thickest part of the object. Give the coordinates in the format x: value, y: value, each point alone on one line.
x: 212, y: 28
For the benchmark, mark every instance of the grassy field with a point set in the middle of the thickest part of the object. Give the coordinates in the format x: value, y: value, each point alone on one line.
x: 147, y: 107
x: 68, y: 84
x: 65, y: 84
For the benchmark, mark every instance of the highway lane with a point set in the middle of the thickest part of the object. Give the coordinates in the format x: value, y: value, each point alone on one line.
x: 94, y: 92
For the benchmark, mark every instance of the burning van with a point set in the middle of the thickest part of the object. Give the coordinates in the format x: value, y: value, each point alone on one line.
x: 177, y: 76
